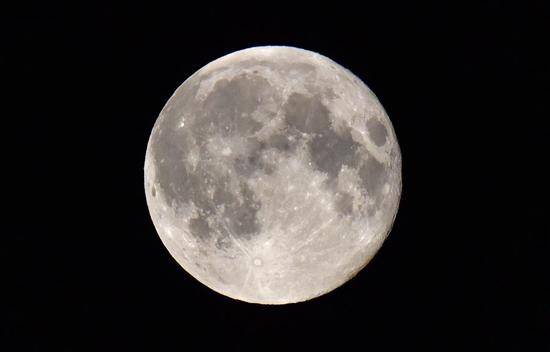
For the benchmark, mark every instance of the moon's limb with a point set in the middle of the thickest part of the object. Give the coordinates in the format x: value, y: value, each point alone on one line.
x: 273, y: 175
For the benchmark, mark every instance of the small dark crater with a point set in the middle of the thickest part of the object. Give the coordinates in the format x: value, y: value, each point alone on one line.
x: 253, y: 159
x: 329, y: 151
x: 377, y: 131
x: 199, y: 227
x: 153, y: 191
x: 306, y: 114
x: 344, y: 203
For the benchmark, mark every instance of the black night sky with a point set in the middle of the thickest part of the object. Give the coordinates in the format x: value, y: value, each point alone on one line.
x: 466, y: 267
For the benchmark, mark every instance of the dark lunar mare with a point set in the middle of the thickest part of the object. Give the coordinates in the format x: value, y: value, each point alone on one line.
x: 374, y: 175
x: 329, y: 150
x: 377, y: 131
x: 226, y: 111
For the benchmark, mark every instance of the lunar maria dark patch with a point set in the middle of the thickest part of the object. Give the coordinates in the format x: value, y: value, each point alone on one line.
x: 377, y: 131
x: 344, y: 203
x: 227, y: 108
x: 306, y: 114
x: 284, y: 142
x: 373, y: 175
x: 199, y: 227
x: 242, y: 214
x: 329, y: 151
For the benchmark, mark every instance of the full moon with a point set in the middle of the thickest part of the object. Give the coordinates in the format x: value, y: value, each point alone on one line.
x: 273, y: 175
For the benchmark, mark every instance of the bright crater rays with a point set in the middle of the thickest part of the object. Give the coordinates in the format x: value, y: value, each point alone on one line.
x: 273, y: 175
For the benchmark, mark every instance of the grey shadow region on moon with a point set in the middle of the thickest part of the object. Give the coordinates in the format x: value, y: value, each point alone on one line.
x: 273, y: 175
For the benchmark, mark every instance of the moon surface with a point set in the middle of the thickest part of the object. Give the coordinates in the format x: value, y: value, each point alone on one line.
x: 273, y: 175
